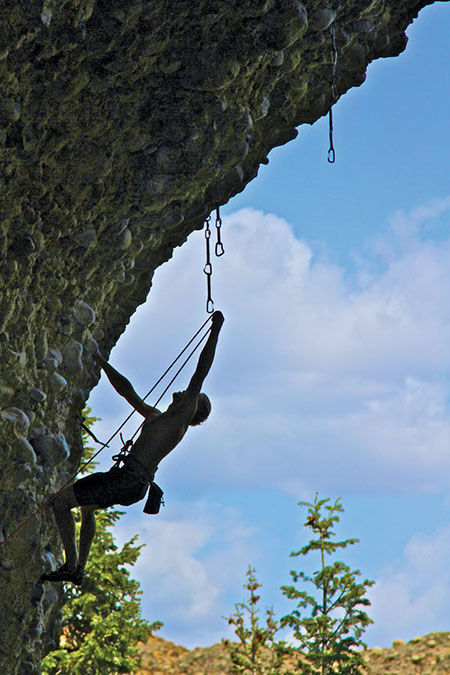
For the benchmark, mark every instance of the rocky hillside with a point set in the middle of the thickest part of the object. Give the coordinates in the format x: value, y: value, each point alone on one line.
x: 428, y: 655
x: 122, y: 125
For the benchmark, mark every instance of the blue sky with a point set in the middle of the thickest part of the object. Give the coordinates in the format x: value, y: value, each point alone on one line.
x: 332, y: 372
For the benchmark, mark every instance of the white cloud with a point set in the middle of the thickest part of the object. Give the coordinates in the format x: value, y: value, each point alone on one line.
x: 413, y: 593
x: 407, y: 228
x: 193, y: 556
x: 318, y: 380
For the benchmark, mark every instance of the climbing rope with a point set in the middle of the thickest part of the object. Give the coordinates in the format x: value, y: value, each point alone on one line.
x: 105, y: 445
x: 219, y: 251
x: 334, y: 93
x: 128, y: 443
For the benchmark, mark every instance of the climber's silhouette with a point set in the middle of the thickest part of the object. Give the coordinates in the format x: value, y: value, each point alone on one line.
x: 160, y: 433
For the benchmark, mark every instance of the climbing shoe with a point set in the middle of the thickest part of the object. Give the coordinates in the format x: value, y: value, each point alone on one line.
x: 64, y: 574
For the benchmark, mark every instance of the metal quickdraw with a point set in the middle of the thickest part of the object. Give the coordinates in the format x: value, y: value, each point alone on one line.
x: 208, y: 268
x: 219, y: 246
x: 331, y: 151
x: 334, y: 94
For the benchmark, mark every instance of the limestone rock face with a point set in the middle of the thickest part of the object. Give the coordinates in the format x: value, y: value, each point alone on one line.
x: 122, y: 125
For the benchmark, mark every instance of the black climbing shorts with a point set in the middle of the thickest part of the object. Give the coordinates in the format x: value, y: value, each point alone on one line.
x: 116, y: 486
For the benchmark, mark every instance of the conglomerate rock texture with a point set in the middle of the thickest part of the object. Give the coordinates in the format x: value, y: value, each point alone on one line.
x: 123, y: 123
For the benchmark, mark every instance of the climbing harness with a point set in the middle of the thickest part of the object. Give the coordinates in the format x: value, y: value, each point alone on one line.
x: 155, y: 493
x: 123, y: 453
x: 129, y: 443
x: 219, y: 251
x: 334, y: 93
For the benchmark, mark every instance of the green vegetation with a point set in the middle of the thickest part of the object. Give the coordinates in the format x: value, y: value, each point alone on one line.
x: 257, y: 652
x: 330, y: 635
x: 327, y: 622
x: 102, y: 622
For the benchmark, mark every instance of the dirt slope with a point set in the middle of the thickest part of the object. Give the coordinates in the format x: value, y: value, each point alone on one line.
x: 428, y: 655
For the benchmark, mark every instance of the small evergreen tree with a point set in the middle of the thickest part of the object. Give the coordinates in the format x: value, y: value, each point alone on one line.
x: 329, y: 636
x: 102, y: 621
x: 257, y: 652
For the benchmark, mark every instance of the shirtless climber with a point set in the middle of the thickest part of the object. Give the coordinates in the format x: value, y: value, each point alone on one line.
x: 160, y: 433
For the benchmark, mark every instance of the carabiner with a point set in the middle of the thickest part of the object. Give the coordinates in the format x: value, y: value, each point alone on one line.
x: 219, y: 249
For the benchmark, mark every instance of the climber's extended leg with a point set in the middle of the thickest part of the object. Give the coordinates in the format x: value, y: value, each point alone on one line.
x: 62, y: 508
x: 87, y: 533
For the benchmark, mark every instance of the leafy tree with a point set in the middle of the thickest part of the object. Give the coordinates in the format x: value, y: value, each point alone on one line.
x: 102, y: 621
x: 257, y: 652
x: 329, y: 636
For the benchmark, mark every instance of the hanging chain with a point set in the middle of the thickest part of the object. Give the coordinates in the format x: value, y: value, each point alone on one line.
x: 219, y: 250
x: 334, y: 93
x: 219, y: 246
x: 208, y: 267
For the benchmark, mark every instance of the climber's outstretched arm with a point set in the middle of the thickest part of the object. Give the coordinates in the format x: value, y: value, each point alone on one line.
x: 207, y: 356
x: 125, y: 388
